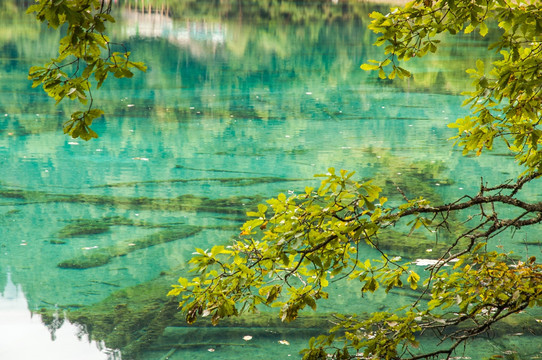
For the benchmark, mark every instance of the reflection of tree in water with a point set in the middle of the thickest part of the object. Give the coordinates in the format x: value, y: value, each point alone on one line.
x: 270, y: 51
x: 53, y: 322
x: 253, y: 10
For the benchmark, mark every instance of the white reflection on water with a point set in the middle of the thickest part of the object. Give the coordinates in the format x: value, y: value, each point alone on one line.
x: 23, y: 336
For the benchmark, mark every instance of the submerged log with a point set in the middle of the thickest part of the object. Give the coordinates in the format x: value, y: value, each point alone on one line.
x: 230, y: 205
x: 102, y: 256
x: 233, y: 182
x: 79, y: 227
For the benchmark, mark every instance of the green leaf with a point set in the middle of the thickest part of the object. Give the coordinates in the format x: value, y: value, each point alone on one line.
x: 138, y: 65
x: 480, y: 66
x: 107, y: 17
x: 310, y: 301
x: 371, y: 285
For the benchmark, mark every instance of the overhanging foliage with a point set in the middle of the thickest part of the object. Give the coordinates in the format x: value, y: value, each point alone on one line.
x: 295, y: 246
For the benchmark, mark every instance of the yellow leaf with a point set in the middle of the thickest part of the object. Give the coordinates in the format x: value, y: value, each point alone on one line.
x: 174, y: 292
x: 469, y: 29
x: 483, y: 29
x: 368, y: 67
x: 413, y: 279
x: 324, y: 282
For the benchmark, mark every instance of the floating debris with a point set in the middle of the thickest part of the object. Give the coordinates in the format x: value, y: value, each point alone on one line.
x: 427, y: 262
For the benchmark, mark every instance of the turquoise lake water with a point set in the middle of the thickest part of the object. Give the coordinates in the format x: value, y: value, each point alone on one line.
x: 234, y: 109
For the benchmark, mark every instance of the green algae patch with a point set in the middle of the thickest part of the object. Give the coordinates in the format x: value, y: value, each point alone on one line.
x: 101, y: 256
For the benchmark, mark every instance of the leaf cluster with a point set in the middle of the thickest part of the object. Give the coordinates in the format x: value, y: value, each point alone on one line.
x: 507, y: 94
x: 85, y: 52
x: 290, y: 251
x: 293, y: 247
